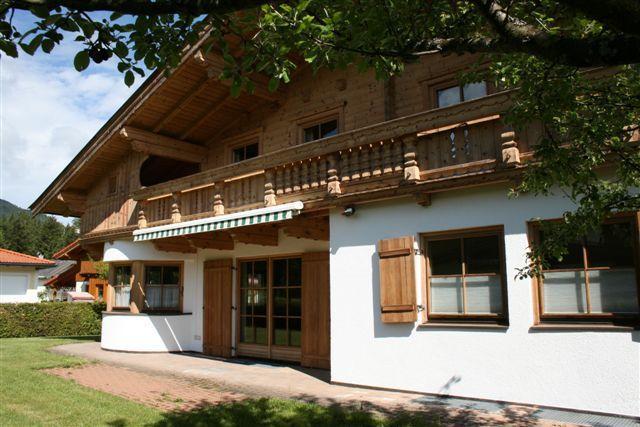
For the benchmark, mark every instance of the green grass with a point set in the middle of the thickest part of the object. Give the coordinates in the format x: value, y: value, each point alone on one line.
x: 30, y: 397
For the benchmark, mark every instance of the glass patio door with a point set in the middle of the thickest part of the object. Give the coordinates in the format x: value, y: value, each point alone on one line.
x: 270, y: 318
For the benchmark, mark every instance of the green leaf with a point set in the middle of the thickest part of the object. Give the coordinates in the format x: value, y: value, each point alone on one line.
x: 273, y: 84
x: 129, y: 78
x: 9, y: 48
x: 121, y: 50
x: 81, y: 60
x: 47, y: 45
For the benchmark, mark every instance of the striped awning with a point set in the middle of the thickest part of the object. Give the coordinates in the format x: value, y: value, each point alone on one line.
x: 222, y: 222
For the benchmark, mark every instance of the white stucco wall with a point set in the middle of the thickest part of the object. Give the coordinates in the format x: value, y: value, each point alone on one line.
x: 142, y: 333
x: 189, y: 331
x: 10, y: 276
x: 596, y: 371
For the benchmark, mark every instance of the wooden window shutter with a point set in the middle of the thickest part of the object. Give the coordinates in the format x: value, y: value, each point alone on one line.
x: 397, y: 280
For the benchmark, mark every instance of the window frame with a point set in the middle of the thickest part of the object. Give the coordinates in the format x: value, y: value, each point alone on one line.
x: 613, y: 319
x: 244, y: 146
x: 180, y: 265
x: 115, y: 286
x: 317, y: 120
x: 429, y: 318
x: 241, y: 140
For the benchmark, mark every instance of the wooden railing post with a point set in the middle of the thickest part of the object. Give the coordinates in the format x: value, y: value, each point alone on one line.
x: 333, y: 180
x: 411, y: 168
x: 142, y: 218
x: 510, y: 151
x: 218, y: 202
x: 269, y: 188
x: 176, y: 216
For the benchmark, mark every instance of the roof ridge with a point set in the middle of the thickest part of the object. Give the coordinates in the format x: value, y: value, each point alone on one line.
x: 30, y: 258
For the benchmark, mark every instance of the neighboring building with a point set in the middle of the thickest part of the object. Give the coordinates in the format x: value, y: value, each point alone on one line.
x: 352, y: 224
x: 19, y: 278
x: 58, y: 279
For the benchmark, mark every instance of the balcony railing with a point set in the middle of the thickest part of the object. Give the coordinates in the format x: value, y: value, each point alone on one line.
x: 433, y: 145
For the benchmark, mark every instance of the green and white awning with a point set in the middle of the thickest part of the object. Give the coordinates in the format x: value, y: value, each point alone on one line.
x: 222, y: 222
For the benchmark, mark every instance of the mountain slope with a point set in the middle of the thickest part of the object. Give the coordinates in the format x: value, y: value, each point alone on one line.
x: 8, y: 208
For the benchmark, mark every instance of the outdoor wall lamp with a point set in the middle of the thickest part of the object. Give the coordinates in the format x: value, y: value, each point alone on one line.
x: 349, y: 210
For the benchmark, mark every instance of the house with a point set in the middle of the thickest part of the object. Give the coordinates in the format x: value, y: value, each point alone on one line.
x: 350, y: 224
x: 18, y: 276
x: 72, y: 274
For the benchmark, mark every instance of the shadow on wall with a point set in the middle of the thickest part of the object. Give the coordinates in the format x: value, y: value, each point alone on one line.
x: 170, y: 331
x: 380, y: 329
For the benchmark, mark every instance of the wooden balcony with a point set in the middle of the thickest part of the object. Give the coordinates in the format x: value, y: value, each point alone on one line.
x: 419, y: 154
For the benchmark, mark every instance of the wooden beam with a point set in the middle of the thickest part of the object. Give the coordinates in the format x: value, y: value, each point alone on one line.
x: 217, y: 240
x: 184, y: 101
x: 307, y: 228
x: 75, y: 200
x: 205, y: 117
x: 266, y: 235
x: 174, y: 244
x: 164, y: 146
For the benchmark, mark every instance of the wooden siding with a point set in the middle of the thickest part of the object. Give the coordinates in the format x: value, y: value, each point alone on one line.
x: 369, y: 153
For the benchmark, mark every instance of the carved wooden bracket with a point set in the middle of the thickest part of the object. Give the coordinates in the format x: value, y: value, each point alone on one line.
x: 176, y: 216
x: 269, y: 188
x: 142, y: 218
x: 218, y: 202
x: 333, y: 180
x: 411, y: 168
x: 510, y: 151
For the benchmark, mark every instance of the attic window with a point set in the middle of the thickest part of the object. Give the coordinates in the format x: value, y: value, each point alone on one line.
x: 112, y: 185
x: 245, y: 152
x: 156, y: 170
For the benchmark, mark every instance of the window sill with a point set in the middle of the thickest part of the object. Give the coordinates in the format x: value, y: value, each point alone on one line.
x: 580, y: 327
x: 463, y: 325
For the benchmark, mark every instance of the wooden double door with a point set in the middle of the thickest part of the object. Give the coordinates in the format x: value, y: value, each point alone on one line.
x: 282, y: 308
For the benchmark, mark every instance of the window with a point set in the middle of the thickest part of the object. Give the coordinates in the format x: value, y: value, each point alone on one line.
x: 321, y: 130
x: 245, y: 152
x: 465, y: 279
x: 122, y: 286
x: 112, y: 185
x: 455, y: 94
x: 253, y: 302
x: 287, y: 301
x: 596, y: 280
x: 156, y: 170
x: 162, y: 287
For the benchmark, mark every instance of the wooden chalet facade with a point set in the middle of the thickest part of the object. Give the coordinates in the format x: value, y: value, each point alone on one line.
x: 347, y: 223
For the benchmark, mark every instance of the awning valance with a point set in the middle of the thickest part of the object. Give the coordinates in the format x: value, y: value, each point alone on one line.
x: 222, y: 222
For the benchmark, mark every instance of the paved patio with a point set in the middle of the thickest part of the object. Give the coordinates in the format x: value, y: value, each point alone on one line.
x: 186, y: 381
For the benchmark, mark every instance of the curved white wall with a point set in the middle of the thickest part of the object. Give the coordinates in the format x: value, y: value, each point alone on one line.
x: 146, y: 333
x: 596, y: 371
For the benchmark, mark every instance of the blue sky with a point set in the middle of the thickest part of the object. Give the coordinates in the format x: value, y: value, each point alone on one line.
x: 48, y: 111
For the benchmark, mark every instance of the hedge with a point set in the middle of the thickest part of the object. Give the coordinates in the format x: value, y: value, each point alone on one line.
x: 50, y: 319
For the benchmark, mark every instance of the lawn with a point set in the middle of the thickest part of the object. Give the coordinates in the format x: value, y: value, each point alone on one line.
x: 30, y: 397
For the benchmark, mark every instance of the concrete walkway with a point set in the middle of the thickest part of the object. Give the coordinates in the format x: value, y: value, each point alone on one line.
x: 259, y: 379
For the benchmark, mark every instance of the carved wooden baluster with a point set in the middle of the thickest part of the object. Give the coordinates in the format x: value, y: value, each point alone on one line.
x: 269, y: 192
x: 411, y: 168
x: 355, y: 163
x: 305, y: 175
x: 387, y: 157
x: 365, y: 161
x: 333, y: 179
x: 376, y: 163
x: 175, y: 207
x: 510, y: 151
x: 279, y: 182
x: 296, y: 176
x: 314, y: 173
x: 287, y: 180
x: 142, y: 219
x: 218, y: 201
x: 345, y: 168
x: 398, y: 161
x: 322, y: 171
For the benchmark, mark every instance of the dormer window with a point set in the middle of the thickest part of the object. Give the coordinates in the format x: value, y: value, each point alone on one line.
x: 320, y: 130
x: 245, y: 152
x: 456, y: 94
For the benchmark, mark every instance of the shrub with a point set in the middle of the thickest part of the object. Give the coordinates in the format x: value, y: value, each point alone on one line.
x: 50, y: 319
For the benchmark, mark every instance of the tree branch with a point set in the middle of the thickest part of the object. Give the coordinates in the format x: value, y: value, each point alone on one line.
x: 621, y: 15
